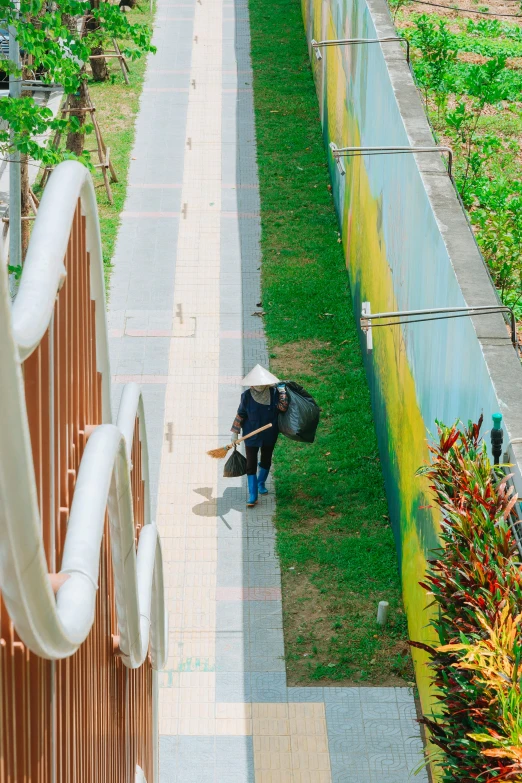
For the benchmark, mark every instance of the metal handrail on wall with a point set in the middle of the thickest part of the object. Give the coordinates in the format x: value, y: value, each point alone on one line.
x: 318, y: 45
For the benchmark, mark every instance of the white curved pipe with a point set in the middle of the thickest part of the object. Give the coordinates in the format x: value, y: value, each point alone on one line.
x: 24, y: 580
x: 44, y: 270
x: 131, y: 406
x: 150, y: 562
x: 76, y: 598
x: 104, y: 478
x: 55, y: 627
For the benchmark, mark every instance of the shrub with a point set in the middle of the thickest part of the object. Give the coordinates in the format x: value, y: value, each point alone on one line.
x: 475, y: 582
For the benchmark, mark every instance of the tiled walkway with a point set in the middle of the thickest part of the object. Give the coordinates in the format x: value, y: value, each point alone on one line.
x: 184, y: 290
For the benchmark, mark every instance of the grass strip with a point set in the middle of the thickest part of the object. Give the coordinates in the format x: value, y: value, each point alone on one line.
x: 117, y: 105
x: 334, y: 539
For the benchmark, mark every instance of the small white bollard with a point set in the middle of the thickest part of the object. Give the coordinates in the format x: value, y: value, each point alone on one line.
x: 382, y: 612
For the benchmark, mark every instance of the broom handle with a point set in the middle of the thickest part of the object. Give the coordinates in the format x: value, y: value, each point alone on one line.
x: 250, y: 434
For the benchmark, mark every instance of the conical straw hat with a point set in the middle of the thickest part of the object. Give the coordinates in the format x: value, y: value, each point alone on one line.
x: 259, y: 377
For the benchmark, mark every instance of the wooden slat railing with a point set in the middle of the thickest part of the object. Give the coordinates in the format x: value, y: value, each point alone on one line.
x: 86, y: 718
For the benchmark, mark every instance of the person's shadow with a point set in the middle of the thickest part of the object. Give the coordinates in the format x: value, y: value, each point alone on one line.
x: 232, y: 500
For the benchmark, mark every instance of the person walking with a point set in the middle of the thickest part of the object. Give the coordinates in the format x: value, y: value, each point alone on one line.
x: 260, y: 404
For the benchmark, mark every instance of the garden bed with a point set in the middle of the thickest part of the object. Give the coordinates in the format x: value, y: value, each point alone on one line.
x: 468, y: 68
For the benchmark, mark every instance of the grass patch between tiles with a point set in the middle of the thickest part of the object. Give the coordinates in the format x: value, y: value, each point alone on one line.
x: 334, y: 539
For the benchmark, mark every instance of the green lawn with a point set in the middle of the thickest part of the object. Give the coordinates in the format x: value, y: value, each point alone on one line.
x: 116, y: 105
x: 334, y: 539
x: 116, y: 109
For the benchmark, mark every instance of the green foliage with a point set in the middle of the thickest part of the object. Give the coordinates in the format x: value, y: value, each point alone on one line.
x: 16, y: 271
x: 52, y: 47
x: 493, y: 28
x: 488, y: 47
x: 509, y: 81
x: 483, y: 88
x: 402, y: 665
x: 434, y: 70
x: 457, y: 95
x: 484, y: 82
x: 27, y: 120
x: 500, y: 238
x: 476, y: 583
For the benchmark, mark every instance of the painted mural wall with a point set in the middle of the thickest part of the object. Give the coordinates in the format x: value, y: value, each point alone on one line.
x: 397, y: 260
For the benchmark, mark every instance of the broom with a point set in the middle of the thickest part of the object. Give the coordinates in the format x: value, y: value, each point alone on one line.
x: 222, y: 451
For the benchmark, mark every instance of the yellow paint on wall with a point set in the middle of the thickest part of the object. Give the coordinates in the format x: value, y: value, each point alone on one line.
x: 406, y: 435
x: 370, y: 273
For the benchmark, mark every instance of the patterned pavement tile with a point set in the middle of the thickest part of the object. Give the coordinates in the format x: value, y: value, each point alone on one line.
x: 342, y: 695
x: 233, y: 687
x: 269, y: 686
x: 377, y: 710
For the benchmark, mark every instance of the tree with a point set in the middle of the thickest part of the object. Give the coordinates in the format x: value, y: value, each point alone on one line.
x: 99, y: 68
x: 57, y: 42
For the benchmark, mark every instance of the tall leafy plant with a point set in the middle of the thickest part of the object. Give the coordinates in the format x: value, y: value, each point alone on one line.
x: 56, y: 41
x: 483, y: 87
x: 438, y: 54
x: 475, y: 583
x: 500, y: 239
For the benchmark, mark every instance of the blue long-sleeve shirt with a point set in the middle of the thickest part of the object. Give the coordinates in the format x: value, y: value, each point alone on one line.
x: 251, y: 415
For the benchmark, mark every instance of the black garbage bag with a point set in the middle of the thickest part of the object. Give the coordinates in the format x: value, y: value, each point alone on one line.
x: 300, y: 421
x: 235, y: 465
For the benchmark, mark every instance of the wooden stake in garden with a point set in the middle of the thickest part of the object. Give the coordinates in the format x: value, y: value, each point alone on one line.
x: 103, y: 152
x: 115, y: 53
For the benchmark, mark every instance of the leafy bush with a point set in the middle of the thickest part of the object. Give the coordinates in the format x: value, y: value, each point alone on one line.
x: 476, y: 583
x: 500, y: 239
x: 508, y: 82
x: 439, y: 52
x: 493, y: 28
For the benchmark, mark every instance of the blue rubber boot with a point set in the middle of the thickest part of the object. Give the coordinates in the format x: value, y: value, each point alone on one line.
x: 261, y: 478
x: 252, y: 491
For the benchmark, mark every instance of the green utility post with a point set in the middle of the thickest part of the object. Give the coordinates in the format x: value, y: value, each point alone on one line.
x: 497, y: 436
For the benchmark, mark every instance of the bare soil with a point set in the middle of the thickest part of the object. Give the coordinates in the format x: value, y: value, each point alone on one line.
x: 307, y: 615
x: 292, y: 359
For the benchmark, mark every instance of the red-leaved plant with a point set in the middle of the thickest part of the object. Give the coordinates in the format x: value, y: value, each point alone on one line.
x: 475, y: 582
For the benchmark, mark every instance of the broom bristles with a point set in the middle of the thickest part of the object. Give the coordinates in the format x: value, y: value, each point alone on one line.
x: 219, y: 453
